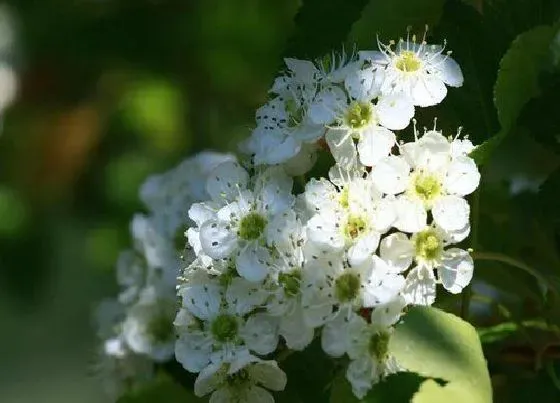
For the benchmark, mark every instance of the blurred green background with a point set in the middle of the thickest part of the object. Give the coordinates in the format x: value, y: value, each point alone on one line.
x: 110, y: 91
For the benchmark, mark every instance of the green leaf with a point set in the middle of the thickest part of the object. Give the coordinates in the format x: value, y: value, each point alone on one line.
x: 517, y: 83
x: 390, y: 18
x: 162, y: 389
x: 322, y: 26
x: 439, y: 345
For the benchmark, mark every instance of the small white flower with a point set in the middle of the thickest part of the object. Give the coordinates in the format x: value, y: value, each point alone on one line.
x: 244, y: 380
x: 417, y: 70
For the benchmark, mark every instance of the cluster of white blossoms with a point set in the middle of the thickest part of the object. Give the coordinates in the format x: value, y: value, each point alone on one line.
x: 342, y: 258
x: 338, y: 257
x: 136, y: 327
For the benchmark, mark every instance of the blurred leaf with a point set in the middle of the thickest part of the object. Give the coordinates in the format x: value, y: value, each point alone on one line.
x: 322, y: 26
x: 164, y: 390
x: 390, y: 18
x: 14, y: 214
x: 517, y: 82
x: 440, y: 345
x: 155, y: 109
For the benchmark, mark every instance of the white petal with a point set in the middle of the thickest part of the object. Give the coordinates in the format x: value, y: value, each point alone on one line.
x: 391, y: 174
x: 260, y: 333
x: 411, y: 215
x: 361, y: 374
x: 243, y: 296
x: 193, y: 352
x: 319, y: 194
x: 303, y: 161
x: 304, y: 70
x: 334, y: 337
x: 327, y: 106
x: 420, y: 287
x: 256, y: 394
x: 394, y: 111
x: 451, y: 213
x: 273, y: 189
x: 382, y: 286
x: 322, y: 231
x: 462, y: 176
x: 450, y: 72
x: 375, y: 143
x: 456, y: 270
x: 362, y: 85
x: 428, y: 90
x: 397, y: 250
x: 388, y: 314
x: 373, y: 56
x: 272, y: 146
x: 342, y: 147
x: 207, y: 381
x: 202, y: 300
x: 269, y: 375
x: 295, y: 331
x: 253, y: 262
x: 226, y: 180
x: 363, y: 248
x: 217, y: 239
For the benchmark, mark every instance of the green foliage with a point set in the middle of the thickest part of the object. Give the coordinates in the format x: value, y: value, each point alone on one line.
x: 322, y: 26
x: 439, y: 345
x: 390, y: 18
x: 517, y: 82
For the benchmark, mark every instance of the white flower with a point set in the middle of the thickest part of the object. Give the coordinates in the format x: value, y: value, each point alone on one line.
x: 430, y: 178
x: 427, y: 249
x: 148, y: 328
x: 368, y: 347
x: 240, y: 227
x: 243, y: 380
x: 418, y: 71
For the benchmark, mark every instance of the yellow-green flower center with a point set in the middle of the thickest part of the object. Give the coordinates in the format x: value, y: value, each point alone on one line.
x: 426, y: 186
x: 347, y: 287
x: 252, y: 226
x: 224, y: 328
x: 290, y: 282
x: 355, y: 226
x: 407, y: 61
x: 359, y: 115
x: 379, y: 346
x: 428, y: 245
x: 238, y: 378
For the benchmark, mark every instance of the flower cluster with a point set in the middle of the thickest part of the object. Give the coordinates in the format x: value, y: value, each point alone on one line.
x: 341, y: 259
x: 137, y: 326
x: 271, y: 265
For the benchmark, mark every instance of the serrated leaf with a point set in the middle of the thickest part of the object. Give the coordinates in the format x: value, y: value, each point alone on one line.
x: 435, y: 344
x: 390, y: 18
x: 322, y: 26
x: 517, y: 83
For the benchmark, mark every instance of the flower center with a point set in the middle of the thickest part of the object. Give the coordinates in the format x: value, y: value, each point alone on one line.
x: 251, y: 226
x: 407, y: 61
x: 379, y: 346
x: 428, y: 246
x: 224, y: 328
x: 427, y: 187
x: 238, y: 378
x: 355, y: 226
x: 346, y: 287
x: 290, y: 282
x: 160, y: 328
x: 359, y: 114
x: 295, y: 113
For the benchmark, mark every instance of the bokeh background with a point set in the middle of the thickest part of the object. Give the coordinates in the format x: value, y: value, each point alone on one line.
x: 110, y: 91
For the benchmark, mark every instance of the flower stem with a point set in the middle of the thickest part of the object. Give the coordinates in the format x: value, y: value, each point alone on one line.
x: 467, y: 292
